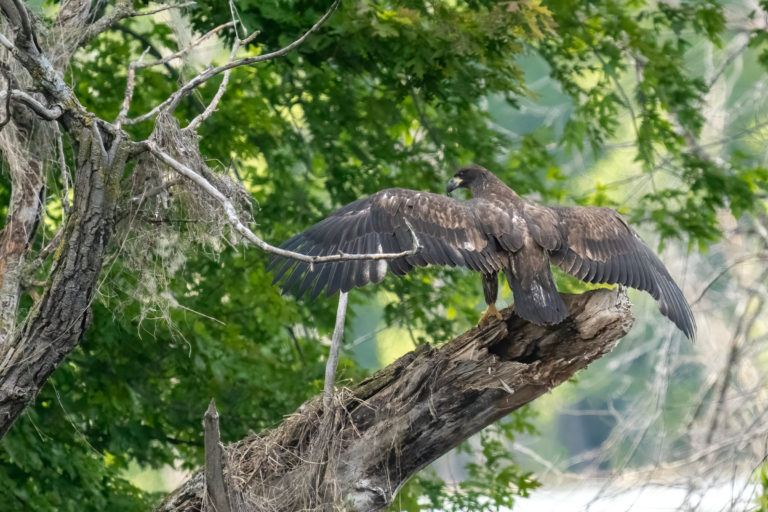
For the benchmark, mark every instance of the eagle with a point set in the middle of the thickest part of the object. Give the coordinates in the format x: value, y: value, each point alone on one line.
x: 496, y: 230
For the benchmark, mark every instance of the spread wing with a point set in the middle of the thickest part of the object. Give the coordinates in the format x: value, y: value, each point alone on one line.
x: 471, y: 234
x: 596, y: 245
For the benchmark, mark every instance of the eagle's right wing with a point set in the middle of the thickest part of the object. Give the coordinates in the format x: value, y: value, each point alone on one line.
x: 471, y: 234
x: 596, y: 245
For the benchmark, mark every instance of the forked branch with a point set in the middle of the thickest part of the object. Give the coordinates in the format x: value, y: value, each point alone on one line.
x: 210, y: 72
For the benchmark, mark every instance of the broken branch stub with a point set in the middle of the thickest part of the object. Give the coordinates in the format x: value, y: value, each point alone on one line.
x: 390, y: 426
x: 216, y: 488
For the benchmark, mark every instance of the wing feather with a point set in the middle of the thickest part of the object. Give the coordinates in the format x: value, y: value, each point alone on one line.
x: 470, y: 233
x: 596, y: 245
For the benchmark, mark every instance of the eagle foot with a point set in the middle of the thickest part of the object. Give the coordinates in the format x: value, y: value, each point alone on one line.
x: 487, y: 317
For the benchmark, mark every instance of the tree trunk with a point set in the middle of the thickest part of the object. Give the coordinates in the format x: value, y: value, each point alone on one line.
x: 56, y: 324
x: 20, y: 229
x: 359, y: 452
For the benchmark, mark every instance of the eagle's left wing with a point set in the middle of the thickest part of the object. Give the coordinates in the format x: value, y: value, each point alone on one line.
x: 596, y: 245
x: 471, y: 234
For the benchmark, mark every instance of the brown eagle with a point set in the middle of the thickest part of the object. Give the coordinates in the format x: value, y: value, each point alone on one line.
x: 495, y: 230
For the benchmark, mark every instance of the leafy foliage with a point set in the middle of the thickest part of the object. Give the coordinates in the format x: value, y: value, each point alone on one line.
x: 491, y: 484
x: 386, y: 94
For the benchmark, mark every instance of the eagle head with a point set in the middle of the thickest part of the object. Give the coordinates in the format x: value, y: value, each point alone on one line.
x: 469, y: 177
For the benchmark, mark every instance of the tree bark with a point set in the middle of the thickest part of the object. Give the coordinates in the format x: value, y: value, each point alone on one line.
x: 358, y: 453
x: 20, y: 229
x: 56, y: 324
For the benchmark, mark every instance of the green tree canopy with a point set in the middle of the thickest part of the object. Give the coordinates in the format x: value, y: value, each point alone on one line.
x: 386, y: 94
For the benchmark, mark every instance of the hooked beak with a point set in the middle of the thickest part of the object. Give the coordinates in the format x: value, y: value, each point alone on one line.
x: 453, y: 185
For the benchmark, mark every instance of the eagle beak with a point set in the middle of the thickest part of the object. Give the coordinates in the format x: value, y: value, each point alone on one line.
x: 452, y: 185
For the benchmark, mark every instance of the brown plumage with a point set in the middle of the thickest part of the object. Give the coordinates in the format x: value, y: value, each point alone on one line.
x: 496, y: 230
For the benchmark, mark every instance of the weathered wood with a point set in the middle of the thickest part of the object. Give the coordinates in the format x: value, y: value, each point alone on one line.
x: 214, y: 464
x: 56, y: 324
x: 333, y: 354
x: 27, y: 194
x: 407, y: 415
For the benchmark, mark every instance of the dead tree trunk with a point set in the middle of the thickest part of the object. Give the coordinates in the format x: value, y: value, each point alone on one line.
x: 360, y: 451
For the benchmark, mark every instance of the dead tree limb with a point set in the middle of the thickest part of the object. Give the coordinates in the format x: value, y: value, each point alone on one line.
x: 214, y: 476
x: 393, y: 424
x: 333, y: 354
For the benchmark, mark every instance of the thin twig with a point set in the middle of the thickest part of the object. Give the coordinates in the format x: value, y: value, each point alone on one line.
x: 145, y: 42
x: 622, y: 92
x: 129, y: 87
x: 157, y: 190
x: 736, y: 262
x: 728, y: 61
x: 210, y: 72
x: 298, y: 347
x: 182, y: 52
x: 167, y: 7
x: 246, y: 233
x: 733, y: 354
x: 222, y: 89
x: 333, y: 355
x: 64, y: 173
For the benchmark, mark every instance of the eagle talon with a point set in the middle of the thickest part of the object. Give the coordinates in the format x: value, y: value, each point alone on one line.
x: 487, y: 317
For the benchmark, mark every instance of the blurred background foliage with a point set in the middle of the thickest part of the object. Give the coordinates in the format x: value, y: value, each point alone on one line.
x: 596, y: 102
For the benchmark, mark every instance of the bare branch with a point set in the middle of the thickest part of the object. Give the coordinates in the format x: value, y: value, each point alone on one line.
x: 210, y: 72
x: 8, y: 45
x: 129, y: 87
x: 131, y: 82
x: 155, y: 191
x: 222, y: 89
x: 37, y: 107
x: 122, y: 9
x: 333, y: 356
x: 64, y: 173
x: 26, y: 25
x: 248, y: 234
x: 167, y: 7
x: 182, y: 52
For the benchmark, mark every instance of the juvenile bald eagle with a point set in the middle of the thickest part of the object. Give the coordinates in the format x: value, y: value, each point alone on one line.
x: 495, y: 230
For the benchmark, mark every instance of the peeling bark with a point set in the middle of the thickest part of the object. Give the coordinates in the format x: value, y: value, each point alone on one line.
x: 407, y: 415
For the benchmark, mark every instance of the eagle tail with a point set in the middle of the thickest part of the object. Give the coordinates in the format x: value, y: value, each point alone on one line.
x: 539, y: 302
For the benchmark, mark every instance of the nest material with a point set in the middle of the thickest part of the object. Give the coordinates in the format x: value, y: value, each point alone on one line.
x: 292, y: 468
x: 166, y: 218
